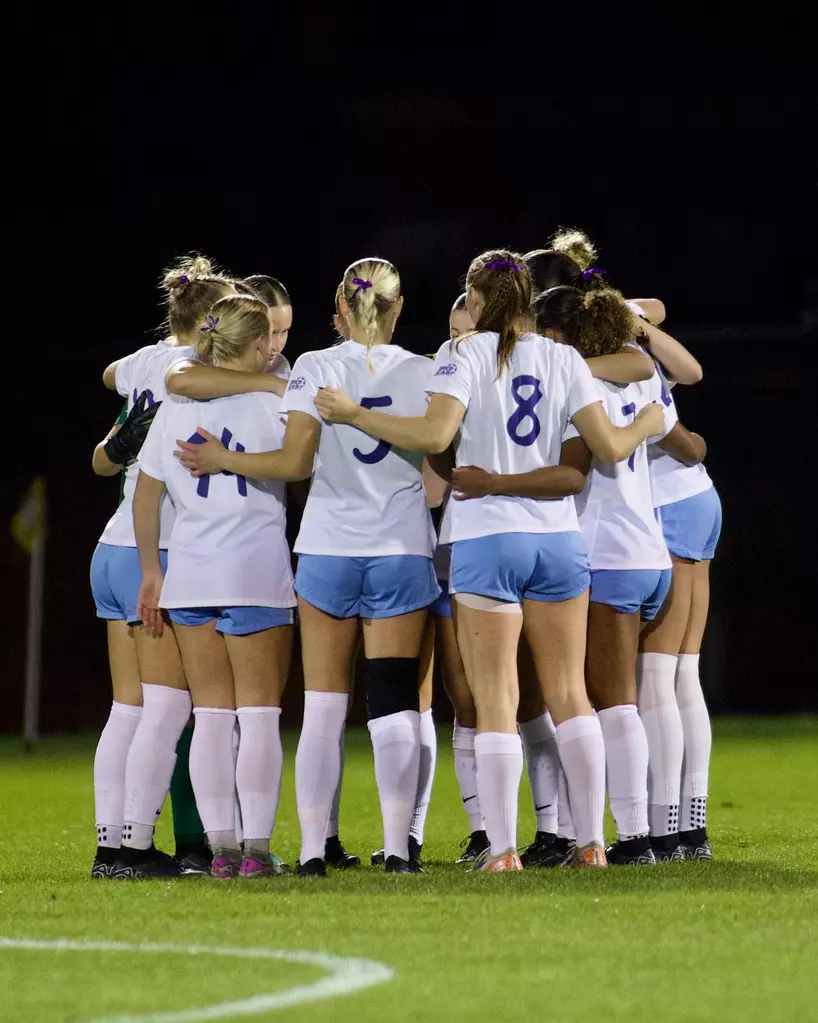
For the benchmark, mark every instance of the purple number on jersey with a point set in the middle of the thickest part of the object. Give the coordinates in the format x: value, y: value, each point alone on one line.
x: 630, y: 410
x: 150, y: 399
x: 382, y: 449
x: 525, y: 410
x: 203, y: 488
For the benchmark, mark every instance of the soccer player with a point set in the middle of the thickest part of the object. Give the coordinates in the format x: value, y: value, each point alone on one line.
x: 135, y: 758
x: 516, y: 562
x: 630, y: 565
x: 364, y: 549
x: 227, y: 589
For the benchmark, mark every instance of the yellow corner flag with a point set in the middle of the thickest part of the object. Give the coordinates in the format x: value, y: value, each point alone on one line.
x: 29, y: 524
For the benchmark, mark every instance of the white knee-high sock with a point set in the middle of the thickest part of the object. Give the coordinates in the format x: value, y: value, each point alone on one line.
x: 258, y: 770
x: 698, y: 742
x: 335, y: 812
x: 151, y: 759
x: 566, y: 828
x: 499, y: 759
x: 542, y: 760
x: 426, y: 774
x: 465, y: 771
x: 396, y: 745
x: 656, y: 674
x: 582, y: 753
x: 109, y: 772
x: 626, y: 760
x: 212, y: 774
x: 318, y: 767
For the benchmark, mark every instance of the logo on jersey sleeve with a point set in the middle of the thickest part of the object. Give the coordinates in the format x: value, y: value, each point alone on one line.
x: 296, y: 384
x: 447, y: 370
x: 203, y: 488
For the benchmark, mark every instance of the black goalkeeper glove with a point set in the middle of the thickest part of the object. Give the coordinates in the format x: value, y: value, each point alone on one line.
x: 125, y: 445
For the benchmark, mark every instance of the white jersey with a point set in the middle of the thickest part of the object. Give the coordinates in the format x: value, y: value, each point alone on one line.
x: 514, y: 424
x: 615, y: 509
x: 228, y: 546
x: 443, y: 552
x: 367, y: 497
x: 143, y: 370
x: 671, y: 479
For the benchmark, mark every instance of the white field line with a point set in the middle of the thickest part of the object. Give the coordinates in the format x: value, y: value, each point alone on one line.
x: 345, y: 977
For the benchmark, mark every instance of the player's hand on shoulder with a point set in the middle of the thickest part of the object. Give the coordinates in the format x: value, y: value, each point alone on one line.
x: 203, y: 458
x: 335, y: 406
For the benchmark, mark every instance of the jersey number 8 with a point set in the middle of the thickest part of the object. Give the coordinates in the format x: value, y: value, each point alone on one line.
x: 525, y: 410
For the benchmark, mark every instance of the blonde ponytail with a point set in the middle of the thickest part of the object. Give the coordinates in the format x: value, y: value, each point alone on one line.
x: 371, y: 288
x: 231, y: 327
x: 191, y: 286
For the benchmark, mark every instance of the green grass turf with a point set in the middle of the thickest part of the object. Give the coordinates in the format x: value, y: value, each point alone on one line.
x: 733, y: 940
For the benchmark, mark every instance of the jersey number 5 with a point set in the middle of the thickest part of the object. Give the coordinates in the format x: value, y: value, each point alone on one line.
x: 525, y: 410
x: 382, y: 449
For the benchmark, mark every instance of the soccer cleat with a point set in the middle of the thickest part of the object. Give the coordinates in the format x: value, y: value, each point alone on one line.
x: 312, y: 868
x: 591, y: 855
x: 553, y: 854
x: 476, y: 842
x: 195, y: 862
x: 395, y: 865
x: 635, y: 852
x: 488, y: 864
x: 223, y: 869
x: 144, y: 864
x: 102, y: 869
x: 666, y: 848
x: 278, y: 865
x: 335, y: 855
x: 699, y: 851
x: 378, y: 858
x: 252, y: 868
x: 539, y: 849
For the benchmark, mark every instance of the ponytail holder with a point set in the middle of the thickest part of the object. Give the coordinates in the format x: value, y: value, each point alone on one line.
x: 504, y: 264
x: 210, y: 325
x: 362, y: 285
x: 592, y: 271
x: 184, y: 279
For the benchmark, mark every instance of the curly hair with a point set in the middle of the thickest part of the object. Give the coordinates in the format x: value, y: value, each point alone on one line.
x: 576, y: 244
x: 594, y: 322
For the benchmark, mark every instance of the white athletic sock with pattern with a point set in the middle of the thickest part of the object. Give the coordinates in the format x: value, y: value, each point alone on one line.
x: 318, y: 767
x: 109, y: 772
x: 335, y: 812
x: 582, y: 752
x: 465, y: 770
x: 565, y: 827
x: 426, y: 774
x: 542, y: 759
x: 626, y: 761
x: 499, y: 758
x: 213, y: 776
x: 396, y: 745
x: 258, y: 770
x: 151, y: 759
x: 656, y: 674
x: 698, y: 741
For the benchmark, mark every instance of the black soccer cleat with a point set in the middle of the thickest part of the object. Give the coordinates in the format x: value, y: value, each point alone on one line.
x: 635, y: 852
x: 695, y: 845
x: 541, y: 848
x: 549, y: 854
x: 335, y: 855
x: 103, y: 866
x: 395, y: 865
x: 194, y: 861
x: 144, y: 865
x: 666, y: 848
x: 312, y: 868
x: 476, y: 843
x: 378, y: 858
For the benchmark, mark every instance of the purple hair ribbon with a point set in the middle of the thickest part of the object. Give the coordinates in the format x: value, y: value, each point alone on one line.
x: 362, y: 285
x: 210, y: 324
x: 504, y: 264
x: 592, y: 271
x: 184, y: 279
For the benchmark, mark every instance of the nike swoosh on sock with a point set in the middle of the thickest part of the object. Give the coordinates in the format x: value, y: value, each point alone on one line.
x: 467, y: 798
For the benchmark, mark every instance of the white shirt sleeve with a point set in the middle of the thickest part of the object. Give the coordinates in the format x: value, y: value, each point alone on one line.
x: 452, y: 374
x: 150, y: 457
x: 124, y: 373
x: 306, y: 380
x: 582, y: 388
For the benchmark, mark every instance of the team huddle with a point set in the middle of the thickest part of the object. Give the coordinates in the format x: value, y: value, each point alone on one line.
x: 524, y: 509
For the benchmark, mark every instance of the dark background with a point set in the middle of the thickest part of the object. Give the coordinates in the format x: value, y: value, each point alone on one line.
x: 279, y: 156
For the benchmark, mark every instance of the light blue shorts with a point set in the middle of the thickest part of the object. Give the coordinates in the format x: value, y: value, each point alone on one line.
x: 692, y: 527
x: 629, y: 590
x: 235, y: 621
x: 442, y: 607
x: 380, y: 587
x: 518, y: 566
x: 116, y: 576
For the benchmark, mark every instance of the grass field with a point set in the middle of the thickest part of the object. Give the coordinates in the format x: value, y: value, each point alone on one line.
x: 733, y: 940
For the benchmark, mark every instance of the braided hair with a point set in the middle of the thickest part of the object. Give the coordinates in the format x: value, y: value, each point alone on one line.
x: 502, y: 279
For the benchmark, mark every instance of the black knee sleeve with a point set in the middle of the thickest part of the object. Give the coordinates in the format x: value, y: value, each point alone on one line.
x: 391, y: 685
